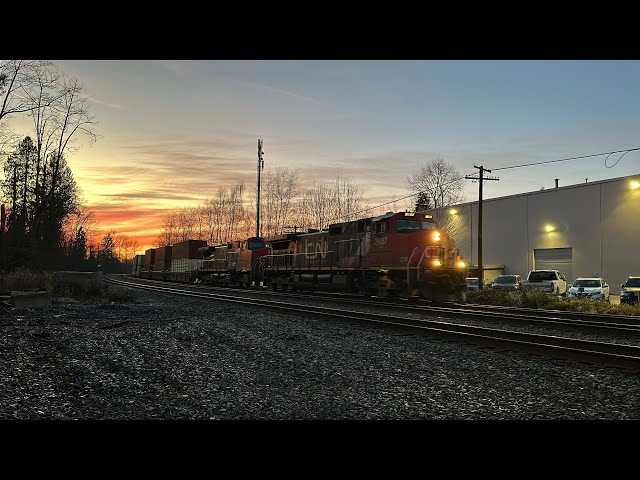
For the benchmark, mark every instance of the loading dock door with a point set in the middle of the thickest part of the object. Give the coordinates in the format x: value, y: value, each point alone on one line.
x: 560, y: 259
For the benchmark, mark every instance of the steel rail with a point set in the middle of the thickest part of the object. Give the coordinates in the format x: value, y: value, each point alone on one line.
x: 629, y: 328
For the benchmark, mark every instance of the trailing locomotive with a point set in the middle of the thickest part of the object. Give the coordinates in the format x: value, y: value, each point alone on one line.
x: 396, y: 254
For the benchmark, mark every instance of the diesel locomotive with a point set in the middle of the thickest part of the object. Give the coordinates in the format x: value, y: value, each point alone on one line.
x: 397, y: 254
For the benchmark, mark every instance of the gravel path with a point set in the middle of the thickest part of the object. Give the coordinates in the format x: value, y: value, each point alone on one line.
x: 163, y: 357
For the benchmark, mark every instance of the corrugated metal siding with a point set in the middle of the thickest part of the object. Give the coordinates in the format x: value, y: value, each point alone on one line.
x: 186, y: 264
x: 560, y: 259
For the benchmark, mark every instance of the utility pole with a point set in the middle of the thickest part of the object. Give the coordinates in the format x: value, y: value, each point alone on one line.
x: 260, y: 167
x: 481, y: 178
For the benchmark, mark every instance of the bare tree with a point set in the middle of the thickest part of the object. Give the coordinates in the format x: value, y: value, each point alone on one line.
x: 42, y: 94
x: 80, y: 229
x: 439, y: 185
x: 16, y: 80
x: 8, y: 140
x: 280, y: 188
x: 135, y: 246
x: 316, y: 206
x: 348, y: 199
x: 337, y: 202
x: 74, y: 117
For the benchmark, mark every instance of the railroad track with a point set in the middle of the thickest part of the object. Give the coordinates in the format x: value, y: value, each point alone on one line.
x: 612, y: 325
x: 621, y: 356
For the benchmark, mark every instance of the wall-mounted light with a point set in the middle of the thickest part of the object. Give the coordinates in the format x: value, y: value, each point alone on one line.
x: 453, y: 211
x: 549, y: 228
x: 635, y: 185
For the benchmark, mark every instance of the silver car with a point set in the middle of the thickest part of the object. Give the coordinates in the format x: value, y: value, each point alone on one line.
x: 594, y: 288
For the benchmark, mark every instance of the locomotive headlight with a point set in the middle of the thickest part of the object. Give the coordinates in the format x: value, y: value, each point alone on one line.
x: 461, y: 264
x: 437, y: 263
x: 436, y: 236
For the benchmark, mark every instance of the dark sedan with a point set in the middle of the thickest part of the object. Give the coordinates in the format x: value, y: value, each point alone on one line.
x: 507, y: 282
x: 630, y: 290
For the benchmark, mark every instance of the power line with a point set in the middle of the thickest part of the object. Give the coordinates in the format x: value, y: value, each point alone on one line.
x: 624, y: 152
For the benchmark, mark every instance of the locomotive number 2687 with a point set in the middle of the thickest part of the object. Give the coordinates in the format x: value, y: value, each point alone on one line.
x: 380, y: 241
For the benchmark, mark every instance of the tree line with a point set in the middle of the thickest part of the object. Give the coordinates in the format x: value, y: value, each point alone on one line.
x: 43, y: 222
x: 285, y: 207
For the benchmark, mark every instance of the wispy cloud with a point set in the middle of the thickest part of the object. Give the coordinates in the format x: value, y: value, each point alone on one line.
x: 280, y: 91
x: 96, y: 100
x: 178, y: 68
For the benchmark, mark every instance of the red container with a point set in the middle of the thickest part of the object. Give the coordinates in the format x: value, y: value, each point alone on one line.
x: 149, y: 258
x: 188, y: 249
x: 163, y: 258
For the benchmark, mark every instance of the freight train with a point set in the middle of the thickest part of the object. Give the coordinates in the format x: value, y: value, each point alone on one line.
x: 396, y: 254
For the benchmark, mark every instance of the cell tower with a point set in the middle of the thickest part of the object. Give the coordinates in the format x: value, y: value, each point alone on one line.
x: 260, y: 167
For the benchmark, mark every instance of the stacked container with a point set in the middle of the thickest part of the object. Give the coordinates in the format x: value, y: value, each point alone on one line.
x: 149, y: 258
x: 188, y: 249
x: 163, y: 258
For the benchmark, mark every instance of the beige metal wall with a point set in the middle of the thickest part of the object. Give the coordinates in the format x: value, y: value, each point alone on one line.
x: 599, y: 221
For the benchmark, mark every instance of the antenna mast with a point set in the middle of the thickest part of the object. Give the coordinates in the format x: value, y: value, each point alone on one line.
x: 260, y: 167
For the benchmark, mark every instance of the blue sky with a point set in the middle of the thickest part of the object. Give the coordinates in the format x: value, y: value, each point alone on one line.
x: 174, y: 131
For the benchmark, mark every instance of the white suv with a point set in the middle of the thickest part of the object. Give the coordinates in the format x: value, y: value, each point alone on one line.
x: 589, y: 287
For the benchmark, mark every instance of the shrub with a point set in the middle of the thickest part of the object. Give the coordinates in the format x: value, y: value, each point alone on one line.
x: 533, y: 298
x: 24, y: 280
x: 77, y: 284
x: 111, y: 293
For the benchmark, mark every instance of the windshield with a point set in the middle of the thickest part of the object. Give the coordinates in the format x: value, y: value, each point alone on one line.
x: 542, y: 275
x: 254, y: 244
x: 428, y: 225
x: 505, y: 279
x: 587, y: 283
x: 407, y: 225
x: 633, y: 282
x: 472, y: 281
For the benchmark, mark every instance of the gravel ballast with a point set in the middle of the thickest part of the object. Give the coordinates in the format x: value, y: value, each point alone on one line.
x: 165, y: 357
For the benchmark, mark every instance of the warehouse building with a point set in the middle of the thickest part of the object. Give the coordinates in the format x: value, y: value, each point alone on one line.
x: 588, y: 229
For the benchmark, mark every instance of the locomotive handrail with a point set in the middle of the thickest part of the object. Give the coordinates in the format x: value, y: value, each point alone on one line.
x: 420, y: 263
x: 409, y: 266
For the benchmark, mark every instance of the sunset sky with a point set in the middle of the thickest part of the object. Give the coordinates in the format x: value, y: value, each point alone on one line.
x: 172, y: 132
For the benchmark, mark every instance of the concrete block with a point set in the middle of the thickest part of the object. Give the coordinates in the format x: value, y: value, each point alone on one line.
x: 30, y: 299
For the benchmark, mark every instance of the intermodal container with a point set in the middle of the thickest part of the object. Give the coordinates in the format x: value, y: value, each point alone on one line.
x: 163, y: 258
x: 149, y: 258
x: 138, y: 263
x: 187, y: 249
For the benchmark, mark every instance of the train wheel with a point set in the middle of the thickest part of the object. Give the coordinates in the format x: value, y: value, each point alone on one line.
x: 439, y: 296
x: 461, y: 296
x: 427, y: 292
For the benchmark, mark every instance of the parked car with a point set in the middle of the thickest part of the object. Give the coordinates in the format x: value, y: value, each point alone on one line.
x: 589, y: 287
x: 507, y: 282
x: 550, y: 281
x: 630, y: 290
x: 473, y: 283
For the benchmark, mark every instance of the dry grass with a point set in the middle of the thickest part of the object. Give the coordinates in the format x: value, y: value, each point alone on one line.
x: 25, y: 280
x: 78, y: 288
